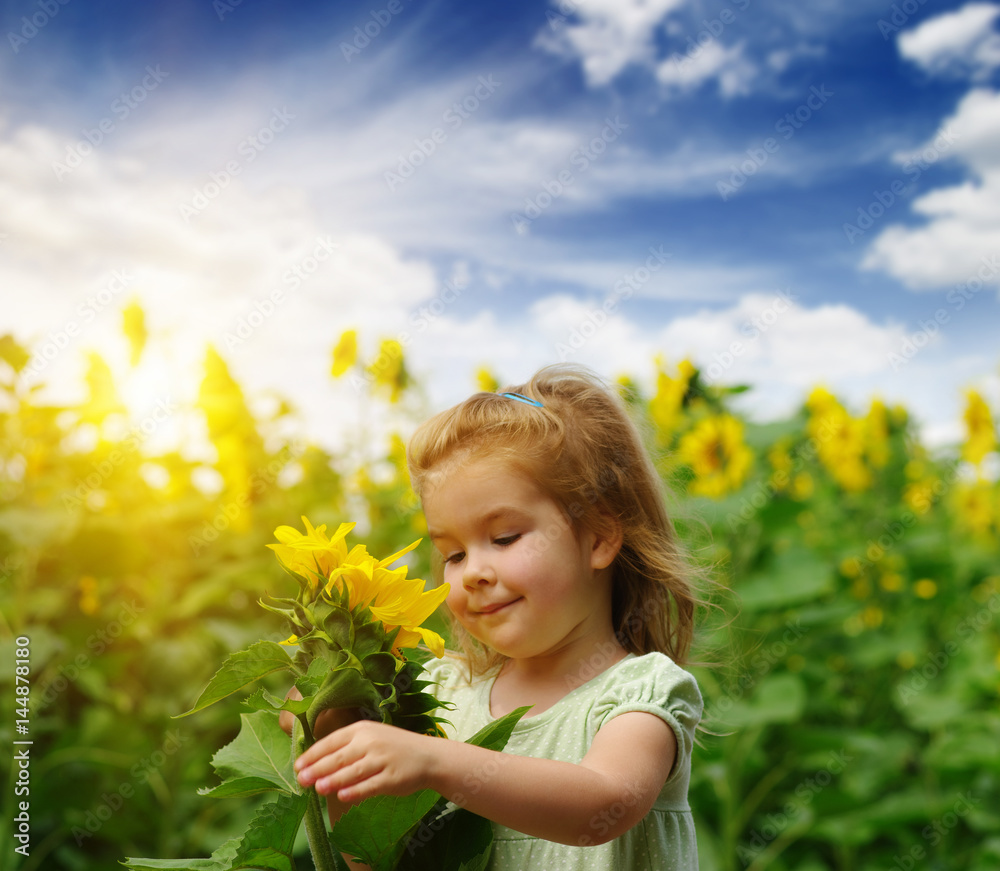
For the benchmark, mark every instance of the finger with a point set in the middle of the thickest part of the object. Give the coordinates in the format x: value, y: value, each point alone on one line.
x: 324, y: 747
x: 325, y: 766
x: 352, y: 793
x: 348, y: 777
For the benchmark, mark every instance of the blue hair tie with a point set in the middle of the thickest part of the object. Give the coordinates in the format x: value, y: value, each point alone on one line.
x: 521, y: 398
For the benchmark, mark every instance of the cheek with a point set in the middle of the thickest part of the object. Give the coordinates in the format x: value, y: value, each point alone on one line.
x: 456, y: 598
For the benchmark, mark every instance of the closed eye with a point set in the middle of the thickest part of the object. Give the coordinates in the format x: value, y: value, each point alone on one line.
x: 454, y: 558
x: 506, y: 540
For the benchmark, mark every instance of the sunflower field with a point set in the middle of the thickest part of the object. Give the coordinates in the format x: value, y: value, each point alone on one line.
x: 850, y: 662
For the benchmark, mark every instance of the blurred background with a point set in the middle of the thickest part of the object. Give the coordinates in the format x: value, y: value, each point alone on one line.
x: 246, y: 247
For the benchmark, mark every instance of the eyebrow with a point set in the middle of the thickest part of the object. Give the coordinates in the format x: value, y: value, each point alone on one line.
x: 496, y: 514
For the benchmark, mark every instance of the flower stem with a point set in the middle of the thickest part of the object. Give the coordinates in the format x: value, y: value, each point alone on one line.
x: 319, y: 842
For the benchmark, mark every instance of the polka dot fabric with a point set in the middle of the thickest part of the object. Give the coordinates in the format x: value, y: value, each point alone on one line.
x: 665, y: 839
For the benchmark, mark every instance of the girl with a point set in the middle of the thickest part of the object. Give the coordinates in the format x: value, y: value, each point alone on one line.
x: 569, y: 593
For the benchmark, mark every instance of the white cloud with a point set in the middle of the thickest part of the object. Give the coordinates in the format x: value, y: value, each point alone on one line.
x: 777, y: 345
x: 729, y: 66
x: 257, y: 273
x: 963, y: 224
x: 955, y: 43
x: 608, y: 36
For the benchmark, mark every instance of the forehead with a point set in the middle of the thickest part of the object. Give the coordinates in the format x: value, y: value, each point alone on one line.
x: 478, y: 492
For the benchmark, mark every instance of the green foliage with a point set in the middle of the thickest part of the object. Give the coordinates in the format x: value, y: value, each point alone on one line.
x: 380, y: 830
x: 242, y: 669
x: 855, y: 699
x: 260, y: 759
x: 266, y: 846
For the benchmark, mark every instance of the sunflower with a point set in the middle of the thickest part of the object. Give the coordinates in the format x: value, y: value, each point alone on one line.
x: 666, y: 406
x: 717, y: 455
x: 345, y: 353
x: 360, y: 582
x: 981, y: 435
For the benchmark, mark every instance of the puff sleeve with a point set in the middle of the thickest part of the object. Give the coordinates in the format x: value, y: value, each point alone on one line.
x: 656, y: 685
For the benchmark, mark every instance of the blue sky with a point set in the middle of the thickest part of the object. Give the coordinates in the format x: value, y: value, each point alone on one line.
x: 507, y: 168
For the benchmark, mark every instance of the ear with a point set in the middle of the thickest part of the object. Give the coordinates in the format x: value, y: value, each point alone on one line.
x: 607, y: 542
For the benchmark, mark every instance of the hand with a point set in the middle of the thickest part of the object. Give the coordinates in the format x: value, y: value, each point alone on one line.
x: 335, y: 718
x: 327, y: 721
x: 366, y: 759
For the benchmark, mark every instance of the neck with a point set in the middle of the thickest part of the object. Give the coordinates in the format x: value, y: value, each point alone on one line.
x: 571, y: 664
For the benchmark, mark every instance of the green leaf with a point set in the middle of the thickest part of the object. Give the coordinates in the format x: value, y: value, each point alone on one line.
x: 496, y: 735
x: 262, y: 700
x: 241, y: 669
x: 270, y: 839
x: 344, y: 688
x: 222, y: 860
x: 339, y: 626
x: 779, y: 698
x: 380, y: 667
x: 457, y: 839
x: 266, y: 846
x: 795, y: 575
x: 293, y: 613
x: 316, y: 672
x: 368, y: 638
x: 259, y: 758
x: 377, y: 830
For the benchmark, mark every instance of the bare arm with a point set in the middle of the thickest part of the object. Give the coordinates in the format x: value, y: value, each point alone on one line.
x: 610, y: 791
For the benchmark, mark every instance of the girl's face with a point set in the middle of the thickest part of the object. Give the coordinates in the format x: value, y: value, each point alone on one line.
x: 522, y: 581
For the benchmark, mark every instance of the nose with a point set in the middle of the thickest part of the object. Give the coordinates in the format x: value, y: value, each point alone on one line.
x: 478, y: 571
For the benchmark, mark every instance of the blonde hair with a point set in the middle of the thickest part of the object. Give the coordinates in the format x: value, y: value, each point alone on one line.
x: 583, y: 450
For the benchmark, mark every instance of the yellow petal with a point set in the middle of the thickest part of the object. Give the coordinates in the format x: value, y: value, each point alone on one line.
x: 389, y: 560
x: 345, y: 353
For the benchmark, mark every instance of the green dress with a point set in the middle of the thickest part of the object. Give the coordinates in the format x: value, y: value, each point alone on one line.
x: 665, y: 838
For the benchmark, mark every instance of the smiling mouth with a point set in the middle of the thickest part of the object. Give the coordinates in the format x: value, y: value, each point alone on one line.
x: 493, y: 609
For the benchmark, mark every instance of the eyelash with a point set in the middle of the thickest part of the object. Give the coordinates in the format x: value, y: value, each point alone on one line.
x: 505, y: 541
